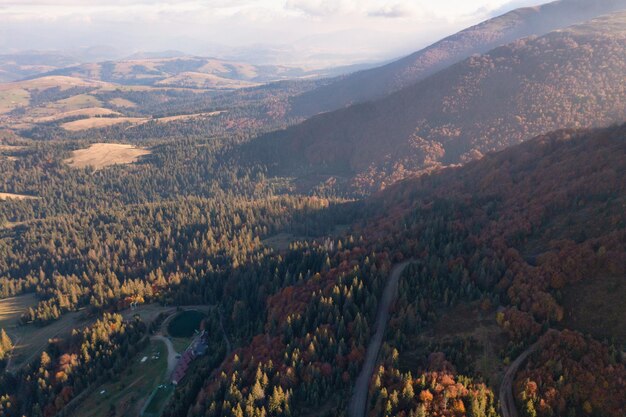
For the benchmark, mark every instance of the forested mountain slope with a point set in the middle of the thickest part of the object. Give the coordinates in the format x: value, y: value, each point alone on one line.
x: 568, y: 78
x: 378, y: 82
x: 512, y: 231
x: 552, y: 210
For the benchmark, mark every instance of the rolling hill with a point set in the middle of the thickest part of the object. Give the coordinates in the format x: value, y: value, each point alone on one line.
x: 14, y: 67
x: 565, y: 79
x: 185, y: 71
x: 378, y: 82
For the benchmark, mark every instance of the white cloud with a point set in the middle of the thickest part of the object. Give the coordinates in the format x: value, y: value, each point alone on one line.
x: 318, y: 7
x: 340, y: 27
x: 393, y: 11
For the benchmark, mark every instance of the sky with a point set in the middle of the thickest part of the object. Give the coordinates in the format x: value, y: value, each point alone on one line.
x: 302, y: 32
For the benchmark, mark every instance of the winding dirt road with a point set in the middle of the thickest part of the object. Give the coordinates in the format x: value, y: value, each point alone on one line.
x: 507, y: 400
x: 358, y: 402
x: 171, y: 354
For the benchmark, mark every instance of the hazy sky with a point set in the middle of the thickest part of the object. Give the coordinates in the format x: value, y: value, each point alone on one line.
x: 304, y: 30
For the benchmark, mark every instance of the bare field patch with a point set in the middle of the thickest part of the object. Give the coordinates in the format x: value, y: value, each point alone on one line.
x: 122, y: 102
x: 30, y: 340
x: 60, y: 81
x: 243, y: 70
x: 12, y: 148
x: 79, y: 101
x: 53, y: 111
x: 8, y: 196
x: 100, y: 155
x: 187, y: 116
x: 13, y: 98
x: 207, y: 81
x: 99, y: 122
x: 12, y: 308
x: 89, y: 112
x: 6, y: 150
x: 126, y: 68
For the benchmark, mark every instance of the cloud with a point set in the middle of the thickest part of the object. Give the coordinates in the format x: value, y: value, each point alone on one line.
x: 317, y: 7
x: 341, y: 27
x: 392, y: 11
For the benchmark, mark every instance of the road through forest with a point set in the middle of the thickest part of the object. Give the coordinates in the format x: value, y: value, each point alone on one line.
x: 358, y: 402
x: 172, y: 360
x: 507, y: 400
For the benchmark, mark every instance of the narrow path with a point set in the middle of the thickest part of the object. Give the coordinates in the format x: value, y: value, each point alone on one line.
x: 171, y: 354
x: 358, y: 402
x: 229, y: 347
x: 507, y: 400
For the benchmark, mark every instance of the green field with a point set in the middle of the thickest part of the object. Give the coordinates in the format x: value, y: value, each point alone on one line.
x: 158, y: 401
x: 185, y: 324
x: 180, y: 344
x: 126, y: 396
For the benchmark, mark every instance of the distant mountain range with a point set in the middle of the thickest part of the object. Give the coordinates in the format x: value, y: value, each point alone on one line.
x: 183, y: 71
x: 28, y: 64
x: 378, y: 82
x: 568, y: 78
x: 15, y: 67
x: 161, y: 69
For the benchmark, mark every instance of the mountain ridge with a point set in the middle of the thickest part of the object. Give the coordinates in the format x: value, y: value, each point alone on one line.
x: 375, y: 83
x: 568, y: 78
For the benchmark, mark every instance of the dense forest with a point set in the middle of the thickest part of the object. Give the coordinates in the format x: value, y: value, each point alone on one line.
x: 510, y: 230
x: 468, y: 230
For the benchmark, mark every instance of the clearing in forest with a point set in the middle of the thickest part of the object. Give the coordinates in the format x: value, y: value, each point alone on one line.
x: 30, y: 340
x: 89, y: 112
x: 122, y: 102
x: 11, y: 309
x: 99, y: 122
x: 100, y: 155
x: 7, y: 196
x: 126, y: 394
x: 11, y: 99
